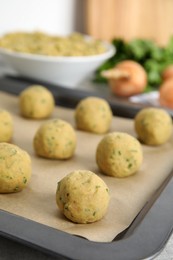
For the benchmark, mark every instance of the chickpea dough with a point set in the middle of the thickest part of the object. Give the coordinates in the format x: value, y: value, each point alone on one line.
x: 6, y: 126
x: 36, y: 102
x: 153, y: 126
x: 55, y: 139
x: 40, y: 43
x: 94, y: 115
x: 82, y: 196
x: 119, y: 155
x: 15, y: 168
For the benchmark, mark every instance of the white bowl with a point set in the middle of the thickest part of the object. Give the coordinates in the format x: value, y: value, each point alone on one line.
x: 62, y: 71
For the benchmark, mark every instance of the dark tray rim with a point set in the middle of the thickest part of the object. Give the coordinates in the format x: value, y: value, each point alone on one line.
x: 145, y: 237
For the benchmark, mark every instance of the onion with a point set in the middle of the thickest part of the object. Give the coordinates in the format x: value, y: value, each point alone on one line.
x: 166, y: 93
x: 167, y: 73
x: 127, y: 78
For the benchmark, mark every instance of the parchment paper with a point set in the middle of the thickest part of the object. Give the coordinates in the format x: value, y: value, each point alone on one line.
x: 128, y: 195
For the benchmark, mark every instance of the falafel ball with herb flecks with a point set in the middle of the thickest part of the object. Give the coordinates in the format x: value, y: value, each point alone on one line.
x: 153, y: 126
x: 15, y: 168
x: 82, y: 196
x: 36, y: 102
x: 93, y: 114
x: 119, y: 155
x: 6, y: 126
x: 55, y: 139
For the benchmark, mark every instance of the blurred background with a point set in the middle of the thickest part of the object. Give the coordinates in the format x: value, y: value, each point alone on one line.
x: 140, y: 30
x: 128, y: 19
x: 53, y: 16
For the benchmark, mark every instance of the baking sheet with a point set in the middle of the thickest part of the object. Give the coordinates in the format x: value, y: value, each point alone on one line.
x: 128, y: 196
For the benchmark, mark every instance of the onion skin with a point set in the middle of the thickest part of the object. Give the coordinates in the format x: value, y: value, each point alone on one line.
x: 134, y: 83
x: 166, y: 93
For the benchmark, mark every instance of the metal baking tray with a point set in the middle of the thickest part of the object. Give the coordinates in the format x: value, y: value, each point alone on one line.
x: 69, y: 97
x: 144, y: 238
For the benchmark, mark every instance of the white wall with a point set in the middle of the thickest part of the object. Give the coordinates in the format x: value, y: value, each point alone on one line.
x: 54, y: 16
